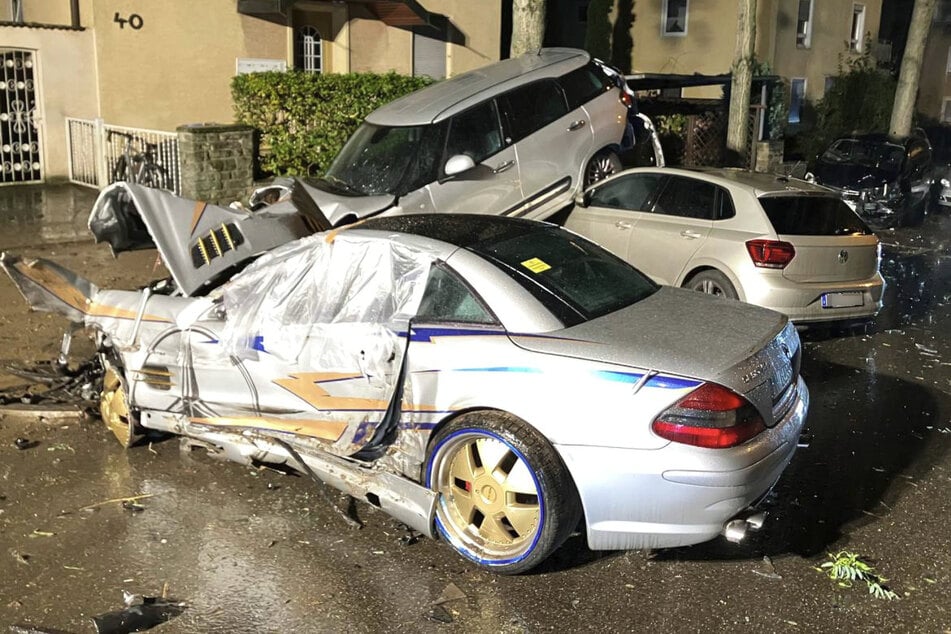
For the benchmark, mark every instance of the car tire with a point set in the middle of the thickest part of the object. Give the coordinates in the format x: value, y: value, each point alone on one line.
x: 712, y: 282
x: 512, y: 516
x: 603, y: 164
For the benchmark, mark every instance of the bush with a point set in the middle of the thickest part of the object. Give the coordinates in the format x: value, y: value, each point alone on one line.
x: 305, y: 118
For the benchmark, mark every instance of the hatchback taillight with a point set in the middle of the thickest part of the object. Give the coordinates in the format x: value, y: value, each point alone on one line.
x: 626, y: 99
x: 770, y: 254
x: 711, y: 416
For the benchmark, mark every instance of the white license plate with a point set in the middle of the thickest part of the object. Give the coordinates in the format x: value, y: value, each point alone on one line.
x: 842, y: 300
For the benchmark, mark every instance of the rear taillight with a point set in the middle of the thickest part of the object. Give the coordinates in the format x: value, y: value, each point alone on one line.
x: 626, y: 99
x: 711, y: 416
x: 770, y: 254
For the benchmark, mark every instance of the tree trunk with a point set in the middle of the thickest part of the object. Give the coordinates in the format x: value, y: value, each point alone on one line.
x: 528, y: 26
x: 907, y: 91
x: 737, y: 134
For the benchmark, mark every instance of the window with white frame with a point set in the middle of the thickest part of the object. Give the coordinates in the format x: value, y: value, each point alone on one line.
x: 946, y: 110
x: 804, y: 24
x: 857, y: 40
x: 797, y: 96
x: 16, y: 11
x: 674, y: 18
x: 308, y: 49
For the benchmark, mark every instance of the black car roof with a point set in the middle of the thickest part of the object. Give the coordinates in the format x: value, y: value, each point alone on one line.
x: 463, y: 230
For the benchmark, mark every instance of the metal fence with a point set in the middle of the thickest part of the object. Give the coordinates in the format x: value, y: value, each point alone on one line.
x: 101, y: 154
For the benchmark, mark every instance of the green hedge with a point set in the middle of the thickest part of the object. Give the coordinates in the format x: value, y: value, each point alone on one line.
x: 305, y: 118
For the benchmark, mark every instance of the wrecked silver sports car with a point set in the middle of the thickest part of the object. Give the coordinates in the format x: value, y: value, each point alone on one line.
x: 492, y: 381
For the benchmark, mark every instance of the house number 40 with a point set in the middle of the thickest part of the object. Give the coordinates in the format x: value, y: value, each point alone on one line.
x: 135, y: 21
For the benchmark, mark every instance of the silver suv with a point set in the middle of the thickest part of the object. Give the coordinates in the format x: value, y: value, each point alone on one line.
x: 519, y: 138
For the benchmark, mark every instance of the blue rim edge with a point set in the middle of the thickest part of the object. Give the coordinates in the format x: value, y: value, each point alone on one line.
x: 458, y: 546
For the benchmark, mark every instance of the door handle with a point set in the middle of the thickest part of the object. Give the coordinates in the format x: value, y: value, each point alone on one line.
x: 576, y: 125
x: 504, y: 166
x: 692, y: 235
x: 620, y: 224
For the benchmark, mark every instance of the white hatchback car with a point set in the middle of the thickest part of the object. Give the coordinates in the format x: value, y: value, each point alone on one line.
x: 769, y: 240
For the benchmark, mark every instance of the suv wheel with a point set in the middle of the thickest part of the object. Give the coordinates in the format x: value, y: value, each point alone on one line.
x: 603, y: 164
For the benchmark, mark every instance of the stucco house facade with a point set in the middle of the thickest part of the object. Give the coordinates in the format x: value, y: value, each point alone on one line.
x: 159, y: 65
x: 804, y: 41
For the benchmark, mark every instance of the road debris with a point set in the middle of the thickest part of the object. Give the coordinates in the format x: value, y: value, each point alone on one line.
x: 25, y: 443
x: 139, y: 614
x: 131, y: 498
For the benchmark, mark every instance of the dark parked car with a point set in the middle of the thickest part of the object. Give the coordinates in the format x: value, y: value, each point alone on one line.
x: 886, y: 180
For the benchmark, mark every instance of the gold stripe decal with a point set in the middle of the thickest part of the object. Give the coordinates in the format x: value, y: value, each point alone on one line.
x: 53, y: 283
x: 305, y: 387
x: 197, y: 214
x: 321, y: 429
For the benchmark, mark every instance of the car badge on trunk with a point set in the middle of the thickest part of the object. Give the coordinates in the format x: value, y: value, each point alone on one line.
x: 843, y: 256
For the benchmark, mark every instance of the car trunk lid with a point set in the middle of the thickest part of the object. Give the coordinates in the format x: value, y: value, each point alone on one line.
x: 755, y: 351
x: 832, y: 243
x: 832, y: 258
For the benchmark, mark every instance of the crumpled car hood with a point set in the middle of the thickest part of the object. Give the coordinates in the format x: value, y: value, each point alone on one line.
x: 200, y: 244
x: 337, y: 207
x: 852, y: 175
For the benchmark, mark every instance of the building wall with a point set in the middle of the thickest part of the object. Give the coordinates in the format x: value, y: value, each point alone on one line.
x: 376, y: 47
x: 65, y: 64
x: 479, y: 23
x: 935, y: 83
x: 706, y: 48
x: 830, y: 40
x: 177, y: 67
x: 380, y: 48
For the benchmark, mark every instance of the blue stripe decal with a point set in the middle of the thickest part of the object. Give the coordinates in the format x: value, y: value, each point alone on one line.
x: 426, y: 334
x: 622, y: 377
x: 672, y: 382
x: 659, y: 381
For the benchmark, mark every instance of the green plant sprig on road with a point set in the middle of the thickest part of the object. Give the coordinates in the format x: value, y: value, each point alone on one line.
x: 847, y: 568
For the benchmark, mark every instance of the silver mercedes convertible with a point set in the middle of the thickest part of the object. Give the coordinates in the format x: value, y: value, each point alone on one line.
x: 494, y: 382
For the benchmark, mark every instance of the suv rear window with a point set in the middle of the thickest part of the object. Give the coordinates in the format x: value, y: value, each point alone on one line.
x: 812, y: 216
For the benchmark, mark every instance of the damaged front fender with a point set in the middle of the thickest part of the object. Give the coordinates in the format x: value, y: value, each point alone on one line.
x: 50, y: 288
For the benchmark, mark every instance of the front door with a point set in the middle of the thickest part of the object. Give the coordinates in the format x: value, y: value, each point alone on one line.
x: 20, y: 148
x: 492, y: 185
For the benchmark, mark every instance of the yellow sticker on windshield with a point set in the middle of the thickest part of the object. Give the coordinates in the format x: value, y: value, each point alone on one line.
x: 535, y: 265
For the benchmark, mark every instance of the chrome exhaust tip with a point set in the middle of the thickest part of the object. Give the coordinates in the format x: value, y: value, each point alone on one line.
x: 756, y: 520
x: 735, y: 531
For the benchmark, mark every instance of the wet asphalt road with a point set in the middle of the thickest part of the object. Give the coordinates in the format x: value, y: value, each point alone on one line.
x: 260, y: 551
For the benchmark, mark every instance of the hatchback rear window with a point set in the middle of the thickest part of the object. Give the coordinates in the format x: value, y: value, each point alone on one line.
x: 812, y: 216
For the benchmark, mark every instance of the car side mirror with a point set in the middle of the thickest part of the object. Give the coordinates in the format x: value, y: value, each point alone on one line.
x: 583, y: 199
x: 458, y: 164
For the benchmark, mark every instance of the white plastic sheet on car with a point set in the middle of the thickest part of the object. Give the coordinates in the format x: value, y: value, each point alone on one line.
x: 332, y: 306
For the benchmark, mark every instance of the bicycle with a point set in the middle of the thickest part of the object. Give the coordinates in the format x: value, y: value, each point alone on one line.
x: 138, y: 167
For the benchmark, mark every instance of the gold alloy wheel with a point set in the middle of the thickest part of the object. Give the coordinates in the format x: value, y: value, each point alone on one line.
x: 114, y: 408
x: 490, y: 503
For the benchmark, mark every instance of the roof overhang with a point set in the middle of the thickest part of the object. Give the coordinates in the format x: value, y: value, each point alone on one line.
x: 399, y: 13
x: 659, y: 81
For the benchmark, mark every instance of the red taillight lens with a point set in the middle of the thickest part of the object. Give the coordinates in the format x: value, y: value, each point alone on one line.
x: 711, y: 416
x: 626, y: 99
x: 771, y: 254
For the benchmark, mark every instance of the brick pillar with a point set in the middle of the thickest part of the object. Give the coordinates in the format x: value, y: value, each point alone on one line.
x: 217, y: 161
